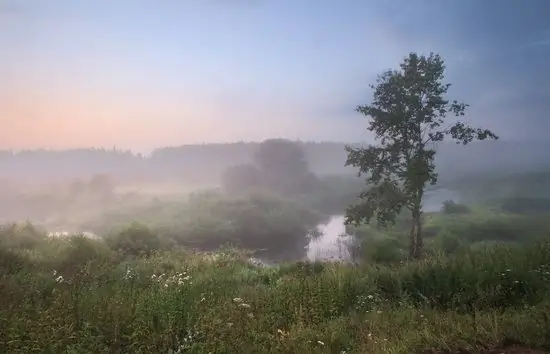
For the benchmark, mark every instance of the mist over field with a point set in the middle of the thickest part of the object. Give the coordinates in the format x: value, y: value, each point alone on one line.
x: 257, y: 176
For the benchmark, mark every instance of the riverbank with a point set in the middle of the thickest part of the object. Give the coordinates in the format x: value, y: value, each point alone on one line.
x: 76, y: 295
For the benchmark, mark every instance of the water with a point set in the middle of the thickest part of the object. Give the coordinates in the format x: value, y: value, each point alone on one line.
x: 333, y: 242
x: 66, y: 234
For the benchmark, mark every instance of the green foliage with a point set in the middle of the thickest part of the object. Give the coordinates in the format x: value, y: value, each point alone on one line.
x: 279, y: 165
x: 74, y: 296
x: 240, y: 178
x: 407, y: 113
x: 270, y: 225
x: 495, y: 227
x: 383, y: 251
x: 525, y: 205
x: 135, y: 240
x: 23, y: 235
x: 450, y: 207
x: 450, y: 234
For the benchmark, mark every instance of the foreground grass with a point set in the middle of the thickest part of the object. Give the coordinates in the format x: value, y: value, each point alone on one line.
x: 78, y: 296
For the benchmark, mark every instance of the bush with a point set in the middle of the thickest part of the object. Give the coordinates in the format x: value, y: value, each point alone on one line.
x: 504, y: 228
x: 384, y: 251
x: 20, y: 236
x: 450, y: 207
x: 81, y: 258
x: 525, y: 205
x: 136, y: 240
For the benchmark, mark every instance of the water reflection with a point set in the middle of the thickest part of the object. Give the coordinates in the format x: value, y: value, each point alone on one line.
x: 330, y: 241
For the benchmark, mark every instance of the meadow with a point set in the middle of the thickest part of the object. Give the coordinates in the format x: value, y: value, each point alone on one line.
x: 181, y: 275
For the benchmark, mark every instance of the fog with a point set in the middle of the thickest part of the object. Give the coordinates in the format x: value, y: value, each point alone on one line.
x: 98, y: 192
x: 177, y: 124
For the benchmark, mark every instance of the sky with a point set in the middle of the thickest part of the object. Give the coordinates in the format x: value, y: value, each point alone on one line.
x: 140, y: 74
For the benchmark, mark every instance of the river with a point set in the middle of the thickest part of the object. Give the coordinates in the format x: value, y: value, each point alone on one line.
x: 332, y: 242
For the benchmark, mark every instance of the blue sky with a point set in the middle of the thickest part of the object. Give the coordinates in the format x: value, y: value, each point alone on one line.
x: 141, y: 74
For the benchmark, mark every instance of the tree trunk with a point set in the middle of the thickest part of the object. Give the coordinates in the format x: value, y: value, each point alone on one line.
x: 419, y: 240
x: 415, y: 235
x: 412, y: 240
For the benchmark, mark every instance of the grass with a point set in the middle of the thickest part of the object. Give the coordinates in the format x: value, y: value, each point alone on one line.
x: 80, y: 296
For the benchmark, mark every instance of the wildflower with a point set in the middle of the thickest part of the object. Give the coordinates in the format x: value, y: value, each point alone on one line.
x: 59, y: 279
x: 237, y: 300
x: 370, y: 297
x: 128, y: 275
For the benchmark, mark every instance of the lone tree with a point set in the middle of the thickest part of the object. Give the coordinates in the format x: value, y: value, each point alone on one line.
x: 408, y: 114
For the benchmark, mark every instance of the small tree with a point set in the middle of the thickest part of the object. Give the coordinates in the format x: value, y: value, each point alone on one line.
x: 407, y: 113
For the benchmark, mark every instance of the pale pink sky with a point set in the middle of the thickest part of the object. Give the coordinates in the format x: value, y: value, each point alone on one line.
x: 145, y: 76
x: 69, y: 115
x: 141, y: 74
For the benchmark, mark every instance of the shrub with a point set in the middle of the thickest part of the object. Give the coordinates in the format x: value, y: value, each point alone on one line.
x: 450, y: 207
x: 20, y: 236
x: 384, y: 251
x: 136, y: 240
x: 521, y: 205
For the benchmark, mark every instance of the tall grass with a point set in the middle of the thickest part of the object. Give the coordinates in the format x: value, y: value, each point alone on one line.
x: 81, y: 296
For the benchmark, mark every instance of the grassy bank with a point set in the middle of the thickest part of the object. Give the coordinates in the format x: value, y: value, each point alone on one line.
x: 81, y: 296
x: 456, y: 230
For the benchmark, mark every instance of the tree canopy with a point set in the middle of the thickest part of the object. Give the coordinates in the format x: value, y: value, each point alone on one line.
x: 408, y: 118
x: 279, y: 165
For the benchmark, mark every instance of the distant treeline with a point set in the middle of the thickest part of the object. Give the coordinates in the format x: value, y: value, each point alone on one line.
x: 204, y: 163
x: 188, y: 163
